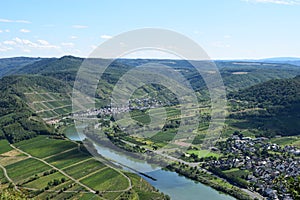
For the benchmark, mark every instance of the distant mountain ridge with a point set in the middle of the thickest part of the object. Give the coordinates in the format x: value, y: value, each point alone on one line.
x: 10, y: 66
x: 57, y: 75
x: 278, y: 60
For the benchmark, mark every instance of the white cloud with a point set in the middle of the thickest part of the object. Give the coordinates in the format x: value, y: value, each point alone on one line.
x: 73, y: 37
x: 26, y: 50
x: 28, y: 45
x: 14, y: 21
x: 22, y: 21
x: 282, y: 2
x: 43, y: 42
x: 106, y: 36
x: 93, y: 47
x: 219, y: 44
x: 9, y: 42
x: 79, y: 26
x: 4, y: 48
x: 5, y: 20
x: 24, y: 30
x: 67, y: 44
x: 6, y: 30
x: 227, y: 36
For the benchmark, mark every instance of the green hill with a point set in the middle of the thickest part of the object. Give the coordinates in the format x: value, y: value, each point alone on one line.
x: 273, y: 107
x: 46, y: 65
x: 10, y: 66
x: 18, y: 120
x: 43, y: 89
x: 236, y: 74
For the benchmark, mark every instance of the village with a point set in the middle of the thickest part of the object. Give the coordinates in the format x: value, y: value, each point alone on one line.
x: 270, y: 168
x: 134, y: 104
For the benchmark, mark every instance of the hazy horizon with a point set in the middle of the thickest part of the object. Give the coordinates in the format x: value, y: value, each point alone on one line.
x: 226, y: 30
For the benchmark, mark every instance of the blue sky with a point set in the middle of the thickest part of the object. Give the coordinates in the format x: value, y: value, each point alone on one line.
x: 226, y: 29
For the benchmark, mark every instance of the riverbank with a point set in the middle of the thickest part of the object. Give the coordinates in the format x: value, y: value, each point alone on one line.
x: 211, y: 180
x: 176, y: 186
x: 188, y: 170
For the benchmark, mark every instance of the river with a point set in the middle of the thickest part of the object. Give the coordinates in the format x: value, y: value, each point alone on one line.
x: 170, y: 183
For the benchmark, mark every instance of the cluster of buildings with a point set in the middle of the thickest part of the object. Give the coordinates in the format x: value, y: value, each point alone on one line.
x: 135, y: 104
x: 269, y: 165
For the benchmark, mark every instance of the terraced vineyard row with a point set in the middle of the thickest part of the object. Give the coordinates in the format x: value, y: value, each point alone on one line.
x: 49, y: 105
x: 57, y: 169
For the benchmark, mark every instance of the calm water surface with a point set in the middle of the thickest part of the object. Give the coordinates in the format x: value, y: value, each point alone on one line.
x: 176, y: 186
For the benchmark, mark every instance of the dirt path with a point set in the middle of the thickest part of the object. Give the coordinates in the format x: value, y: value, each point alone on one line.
x: 77, y: 181
x: 8, y: 178
x: 253, y: 194
x: 117, y: 170
x: 60, y: 153
x: 52, y: 109
x: 59, y: 170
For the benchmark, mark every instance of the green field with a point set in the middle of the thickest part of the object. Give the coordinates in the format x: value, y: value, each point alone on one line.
x: 25, y: 168
x: 49, y: 104
x: 204, y: 153
x: 45, y: 182
x: 107, y: 179
x: 142, y: 190
x: 67, y: 158
x: 82, y: 169
x: 4, y: 146
x: 42, y: 146
x: 172, y: 112
x: 38, y: 106
x: 42, y: 182
x: 63, y: 110
x: 140, y: 116
x: 3, y: 180
x: 292, y: 140
x: 48, y: 114
x: 164, y: 136
x: 236, y: 172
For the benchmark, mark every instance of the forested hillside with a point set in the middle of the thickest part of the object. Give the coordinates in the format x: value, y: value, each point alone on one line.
x: 10, y: 66
x: 17, y: 120
x: 273, y: 106
x: 25, y: 95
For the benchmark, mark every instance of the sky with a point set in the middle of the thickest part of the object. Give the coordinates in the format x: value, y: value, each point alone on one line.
x: 225, y: 29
